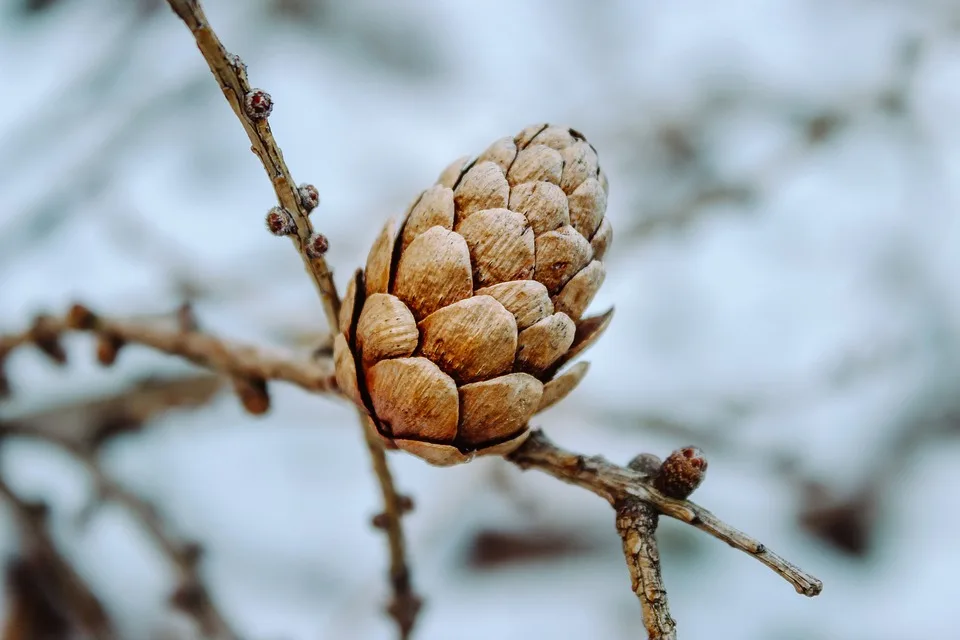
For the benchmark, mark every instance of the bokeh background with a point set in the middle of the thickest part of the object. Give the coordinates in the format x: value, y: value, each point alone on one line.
x: 785, y: 193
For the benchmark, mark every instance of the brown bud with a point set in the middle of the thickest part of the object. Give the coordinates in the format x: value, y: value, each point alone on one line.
x: 108, y: 346
x: 646, y: 463
x: 280, y: 222
x: 257, y: 104
x: 189, y: 597
x: 253, y: 394
x: 46, y: 337
x: 681, y: 473
x: 80, y: 317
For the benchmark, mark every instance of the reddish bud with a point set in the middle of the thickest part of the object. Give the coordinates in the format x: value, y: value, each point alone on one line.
x: 681, y: 473
x: 80, y: 317
x: 380, y: 521
x: 405, y: 503
x: 257, y: 104
x: 309, y: 196
x: 108, y: 347
x: 280, y: 222
x: 45, y: 335
x: 317, y: 245
x: 253, y: 394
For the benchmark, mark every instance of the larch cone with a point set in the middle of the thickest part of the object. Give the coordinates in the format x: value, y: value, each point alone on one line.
x: 454, y: 334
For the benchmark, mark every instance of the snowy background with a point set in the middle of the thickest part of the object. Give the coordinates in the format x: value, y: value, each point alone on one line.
x: 785, y: 194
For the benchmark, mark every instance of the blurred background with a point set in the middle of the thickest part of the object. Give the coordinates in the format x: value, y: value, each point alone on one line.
x: 785, y: 192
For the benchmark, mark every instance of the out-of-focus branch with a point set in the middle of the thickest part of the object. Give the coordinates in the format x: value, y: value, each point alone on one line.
x: 250, y: 367
x: 252, y: 107
x: 81, y: 607
x: 190, y: 594
x: 616, y: 484
x: 90, y: 423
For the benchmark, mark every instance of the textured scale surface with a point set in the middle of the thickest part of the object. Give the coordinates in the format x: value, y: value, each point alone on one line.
x: 453, y: 335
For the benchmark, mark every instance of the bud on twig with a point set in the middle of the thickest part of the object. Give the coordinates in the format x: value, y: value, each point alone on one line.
x: 317, y: 245
x: 280, y: 222
x: 257, y: 104
x: 46, y: 337
x: 309, y: 196
x: 681, y: 473
x: 108, y: 347
x: 253, y: 394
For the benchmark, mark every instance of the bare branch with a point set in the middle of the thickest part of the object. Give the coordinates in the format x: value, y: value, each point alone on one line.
x: 191, y: 594
x: 637, y: 524
x: 90, y: 423
x: 616, y: 484
x: 84, y: 607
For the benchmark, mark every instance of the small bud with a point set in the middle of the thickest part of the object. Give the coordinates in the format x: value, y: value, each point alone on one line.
x: 190, y: 597
x: 646, y: 463
x: 380, y: 521
x: 258, y: 104
x: 253, y: 394
x: 405, y: 503
x: 80, y: 317
x: 681, y: 473
x: 280, y: 222
x: 108, y: 346
x: 317, y: 245
x: 309, y: 196
x: 46, y: 337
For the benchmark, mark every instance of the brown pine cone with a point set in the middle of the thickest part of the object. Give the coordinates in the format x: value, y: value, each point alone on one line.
x: 466, y: 311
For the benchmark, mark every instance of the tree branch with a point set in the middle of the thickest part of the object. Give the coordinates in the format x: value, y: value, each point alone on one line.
x: 637, y: 524
x: 231, y: 75
x: 616, y: 484
x: 191, y: 595
x: 83, y: 607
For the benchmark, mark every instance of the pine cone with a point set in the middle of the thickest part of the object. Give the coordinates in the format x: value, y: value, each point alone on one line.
x: 466, y: 311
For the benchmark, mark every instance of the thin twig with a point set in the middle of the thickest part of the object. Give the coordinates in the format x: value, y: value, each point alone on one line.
x: 231, y: 75
x: 616, y: 484
x: 191, y: 594
x: 84, y: 607
x: 234, y: 359
x: 637, y: 526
